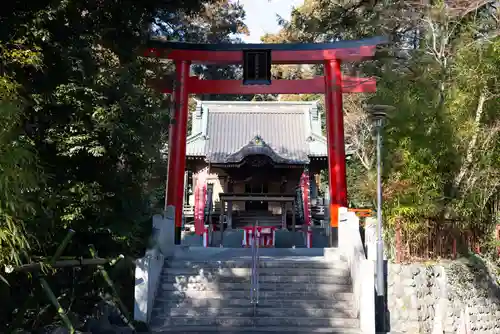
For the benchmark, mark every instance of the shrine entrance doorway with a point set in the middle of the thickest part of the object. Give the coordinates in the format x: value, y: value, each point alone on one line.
x: 256, y: 188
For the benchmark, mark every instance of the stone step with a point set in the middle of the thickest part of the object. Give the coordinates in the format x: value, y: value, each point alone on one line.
x: 290, y: 321
x: 165, y: 303
x: 257, y: 216
x: 288, y: 239
x: 250, y: 221
x: 319, y: 238
x: 246, y: 311
x: 263, y: 272
x: 253, y: 330
x: 300, y: 292
x: 254, y: 213
x: 262, y: 222
x: 254, y: 219
x: 341, y: 277
x: 263, y: 263
x: 193, y: 253
x: 245, y: 294
x: 266, y: 223
x: 263, y: 287
x: 231, y: 238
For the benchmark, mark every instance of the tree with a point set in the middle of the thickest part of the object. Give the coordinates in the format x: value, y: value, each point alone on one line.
x: 81, y: 136
x: 440, y: 72
x: 218, y: 22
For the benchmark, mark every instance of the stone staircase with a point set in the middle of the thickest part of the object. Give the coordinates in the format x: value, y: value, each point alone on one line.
x: 247, y: 218
x: 208, y: 291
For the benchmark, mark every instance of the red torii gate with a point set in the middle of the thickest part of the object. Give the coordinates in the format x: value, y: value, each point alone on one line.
x: 332, y: 84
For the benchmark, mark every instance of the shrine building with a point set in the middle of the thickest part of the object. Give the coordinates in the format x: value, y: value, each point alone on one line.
x: 254, y: 161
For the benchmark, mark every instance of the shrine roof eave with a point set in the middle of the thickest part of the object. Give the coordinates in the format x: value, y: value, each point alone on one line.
x: 284, y: 161
x: 348, y: 152
x: 284, y: 53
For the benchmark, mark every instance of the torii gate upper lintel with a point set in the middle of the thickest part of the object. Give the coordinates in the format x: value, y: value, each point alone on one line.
x: 256, y: 60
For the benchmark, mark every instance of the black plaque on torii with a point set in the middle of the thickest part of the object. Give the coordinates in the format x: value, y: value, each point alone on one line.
x: 256, y: 67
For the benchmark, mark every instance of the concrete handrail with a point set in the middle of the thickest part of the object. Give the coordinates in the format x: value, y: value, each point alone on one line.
x: 147, y: 279
x: 361, y: 270
x: 149, y: 268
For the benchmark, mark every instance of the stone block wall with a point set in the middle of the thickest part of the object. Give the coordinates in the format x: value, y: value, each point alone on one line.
x: 443, y: 298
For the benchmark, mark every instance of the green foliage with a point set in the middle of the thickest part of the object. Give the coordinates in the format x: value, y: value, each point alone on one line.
x: 357, y: 185
x: 18, y: 179
x: 442, y: 143
x: 18, y: 164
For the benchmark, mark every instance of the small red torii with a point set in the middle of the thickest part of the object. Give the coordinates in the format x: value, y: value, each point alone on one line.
x: 257, y: 60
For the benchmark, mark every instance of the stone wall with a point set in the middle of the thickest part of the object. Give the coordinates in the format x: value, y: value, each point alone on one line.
x: 443, y: 298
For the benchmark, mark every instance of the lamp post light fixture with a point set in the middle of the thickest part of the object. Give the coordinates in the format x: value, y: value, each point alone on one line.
x: 378, y: 114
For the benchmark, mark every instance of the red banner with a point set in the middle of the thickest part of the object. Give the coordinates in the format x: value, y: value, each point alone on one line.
x: 304, y: 186
x: 200, y: 199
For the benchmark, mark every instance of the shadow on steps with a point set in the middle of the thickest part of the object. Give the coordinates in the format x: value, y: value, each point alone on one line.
x: 208, y: 291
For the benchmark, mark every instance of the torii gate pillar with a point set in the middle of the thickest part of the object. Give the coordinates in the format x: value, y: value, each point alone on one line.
x: 177, y: 144
x: 335, y: 138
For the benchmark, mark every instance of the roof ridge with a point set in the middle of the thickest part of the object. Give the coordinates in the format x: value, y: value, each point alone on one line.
x: 256, y: 111
x: 304, y: 103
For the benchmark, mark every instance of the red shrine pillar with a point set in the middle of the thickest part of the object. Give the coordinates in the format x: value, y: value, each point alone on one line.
x: 177, y: 147
x: 335, y: 139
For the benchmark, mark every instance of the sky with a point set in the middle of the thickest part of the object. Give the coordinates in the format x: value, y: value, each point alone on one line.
x: 261, y: 16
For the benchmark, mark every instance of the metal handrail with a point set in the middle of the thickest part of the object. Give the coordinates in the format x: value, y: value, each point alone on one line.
x: 221, y: 228
x: 254, y: 279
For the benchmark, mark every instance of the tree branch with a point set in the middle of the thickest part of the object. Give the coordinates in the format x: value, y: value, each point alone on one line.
x: 473, y: 142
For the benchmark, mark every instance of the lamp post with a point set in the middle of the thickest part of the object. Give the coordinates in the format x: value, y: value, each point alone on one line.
x: 378, y: 114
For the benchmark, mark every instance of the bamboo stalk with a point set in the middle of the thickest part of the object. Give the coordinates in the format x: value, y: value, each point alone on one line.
x: 48, y: 290
x: 108, y: 280
x: 63, y: 263
x: 62, y: 246
x: 115, y: 260
x: 47, y: 258
x: 56, y: 304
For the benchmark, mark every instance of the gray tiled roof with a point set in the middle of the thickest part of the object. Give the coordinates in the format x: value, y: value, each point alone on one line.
x: 288, y: 132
